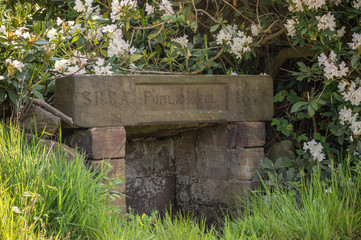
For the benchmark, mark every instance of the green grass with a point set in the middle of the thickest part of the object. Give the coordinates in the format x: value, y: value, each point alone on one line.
x: 320, y: 210
x: 43, y: 196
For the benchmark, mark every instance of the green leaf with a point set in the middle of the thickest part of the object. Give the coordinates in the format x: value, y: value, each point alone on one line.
x: 279, y: 163
x: 12, y: 95
x: 102, y: 20
x: 278, y: 97
x: 2, y: 95
x: 37, y: 94
x: 135, y: 57
x: 214, y: 28
x: 310, y: 111
x: 297, y: 106
x: 42, y: 42
x: 355, y: 61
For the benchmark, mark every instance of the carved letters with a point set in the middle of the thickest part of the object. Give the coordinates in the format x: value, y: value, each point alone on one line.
x: 101, y: 101
x: 106, y: 97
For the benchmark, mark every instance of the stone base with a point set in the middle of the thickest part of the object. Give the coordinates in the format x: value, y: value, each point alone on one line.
x: 198, y: 171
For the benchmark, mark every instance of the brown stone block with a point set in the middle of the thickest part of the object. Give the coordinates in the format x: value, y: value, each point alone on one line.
x: 150, y: 158
x: 100, y: 143
x: 185, y: 154
x: 150, y: 193
x: 116, y: 168
x: 246, y: 134
x: 250, y: 156
x: 214, y: 191
x: 134, y: 100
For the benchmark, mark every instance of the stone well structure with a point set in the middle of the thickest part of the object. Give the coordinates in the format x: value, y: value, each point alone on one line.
x: 190, y: 141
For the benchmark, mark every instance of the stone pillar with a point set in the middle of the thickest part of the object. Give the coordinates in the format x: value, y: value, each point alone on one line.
x: 215, y: 164
x: 150, y: 174
x: 106, y: 144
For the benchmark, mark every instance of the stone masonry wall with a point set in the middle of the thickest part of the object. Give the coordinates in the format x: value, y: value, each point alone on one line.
x: 197, y: 171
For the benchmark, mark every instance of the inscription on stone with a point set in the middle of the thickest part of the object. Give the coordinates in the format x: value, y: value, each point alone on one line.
x: 105, y: 97
x: 182, y: 97
x: 130, y: 100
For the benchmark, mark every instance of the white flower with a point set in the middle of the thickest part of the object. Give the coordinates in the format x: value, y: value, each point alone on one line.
x: 356, y: 41
x: 76, y: 69
x: 109, y: 28
x: 356, y: 128
x: 117, y: 8
x: 149, y: 9
x: 290, y: 27
x: 60, y: 65
x: 51, y: 34
x: 182, y: 41
x: 100, y: 69
x: 2, y: 78
x: 16, y: 209
x: 166, y: 6
x: 341, y: 32
x: 255, y: 29
x: 346, y: 116
x: 352, y: 93
x: 315, y: 149
x: 332, y: 71
x: 315, y: 4
x: 233, y: 73
x: 240, y: 44
x: 15, y: 64
x: 59, y: 21
x: 226, y: 34
x: 70, y: 23
x: 79, y: 6
x: 326, y: 21
x: 357, y: 4
x: 3, y: 29
x: 117, y: 45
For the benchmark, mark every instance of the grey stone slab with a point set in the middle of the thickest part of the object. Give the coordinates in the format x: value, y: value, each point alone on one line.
x: 134, y: 100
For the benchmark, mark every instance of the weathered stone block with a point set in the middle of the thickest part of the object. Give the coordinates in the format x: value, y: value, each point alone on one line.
x: 130, y: 100
x: 150, y: 193
x: 42, y: 118
x: 204, y: 154
x: 116, y: 168
x: 150, y: 158
x: 207, y: 191
x: 246, y: 134
x: 100, y: 143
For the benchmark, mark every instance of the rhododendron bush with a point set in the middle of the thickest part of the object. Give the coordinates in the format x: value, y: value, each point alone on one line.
x: 311, y: 48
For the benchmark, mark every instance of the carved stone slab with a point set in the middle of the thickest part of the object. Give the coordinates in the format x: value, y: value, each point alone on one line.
x: 133, y: 100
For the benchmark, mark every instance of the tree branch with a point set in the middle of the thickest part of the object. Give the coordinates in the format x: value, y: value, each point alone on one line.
x: 68, y: 120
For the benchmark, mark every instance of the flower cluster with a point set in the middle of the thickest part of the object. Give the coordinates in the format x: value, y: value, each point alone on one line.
x: 118, y: 46
x: 315, y: 150
x: 356, y: 40
x: 120, y: 7
x: 15, y: 64
x: 332, y: 71
x: 237, y: 41
x: 166, y: 7
x: 351, y: 92
x: 326, y: 21
x: 298, y: 5
x: 181, y: 40
x: 290, y: 27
